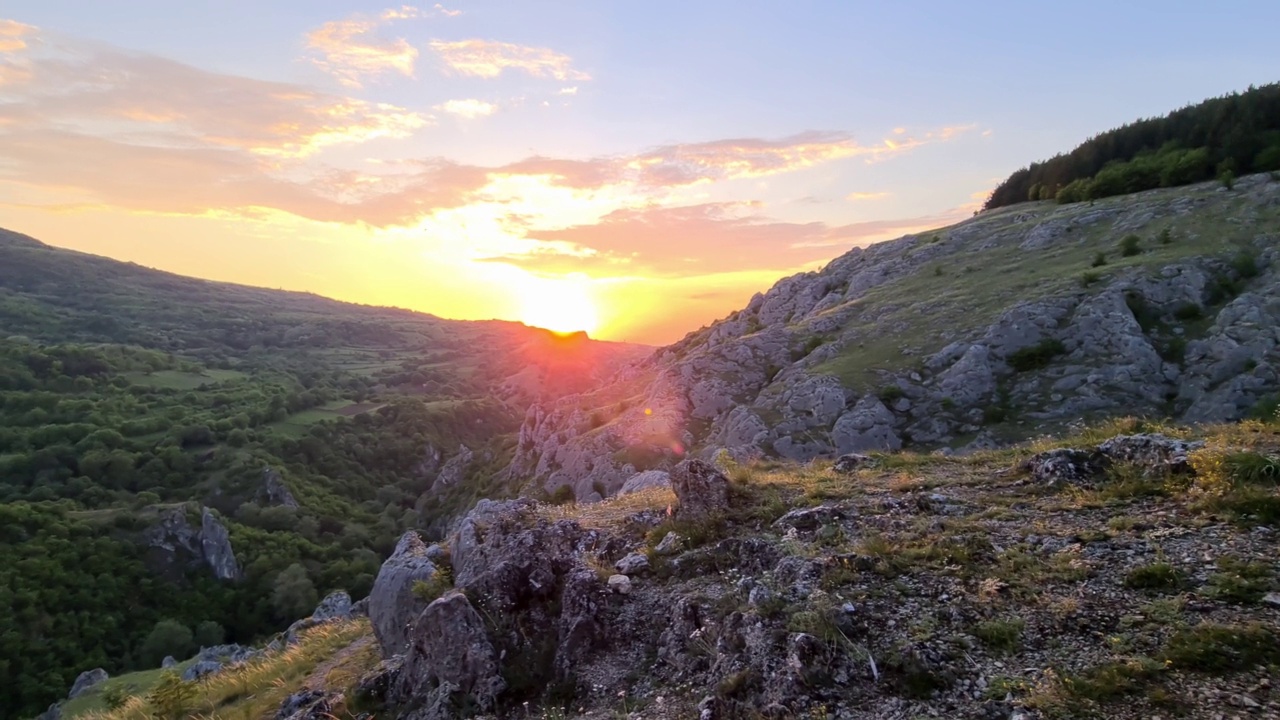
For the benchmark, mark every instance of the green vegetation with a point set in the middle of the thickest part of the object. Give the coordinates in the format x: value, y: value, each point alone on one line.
x: 1037, y: 356
x: 1157, y: 576
x: 1218, y: 138
x: 140, y: 392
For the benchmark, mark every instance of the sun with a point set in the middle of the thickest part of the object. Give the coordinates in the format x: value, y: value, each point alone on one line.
x: 560, y: 305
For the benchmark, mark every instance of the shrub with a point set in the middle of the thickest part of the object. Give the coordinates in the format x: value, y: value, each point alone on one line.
x: 1188, y: 311
x: 1245, y: 263
x: 1089, y: 278
x: 563, y: 495
x: 1130, y: 245
x: 440, y: 583
x: 1157, y: 576
x: 1001, y: 635
x: 168, y: 637
x: 1099, y: 260
x: 172, y: 697
x: 1037, y: 356
x: 1228, y: 179
x: 1165, y: 237
x: 889, y: 393
x: 1220, y: 648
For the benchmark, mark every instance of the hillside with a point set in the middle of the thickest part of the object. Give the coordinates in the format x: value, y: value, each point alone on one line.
x: 218, y: 455
x: 1125, y: 572
x: 1223, y: 137
x: 1019, y: 322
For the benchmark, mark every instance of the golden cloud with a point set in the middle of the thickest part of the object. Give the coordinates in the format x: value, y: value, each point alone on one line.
x: 469, y: 108
x: 866, y: 196
x: 489, y: 58
x: 12, y: 33
x: 350, y: 50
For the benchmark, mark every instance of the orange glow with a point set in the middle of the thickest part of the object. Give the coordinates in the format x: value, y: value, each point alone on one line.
x: 561, y: 305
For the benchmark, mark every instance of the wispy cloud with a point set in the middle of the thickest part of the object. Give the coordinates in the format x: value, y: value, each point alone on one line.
x: 866, y: 196
x: 568, y: 90
x: 351, y: 50
x: 489, y: 58
x: 445, y: 11
x: 13, y: 34
x: 469, y: 108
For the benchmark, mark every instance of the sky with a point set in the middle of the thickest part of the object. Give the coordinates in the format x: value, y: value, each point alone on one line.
x: 636, y: 170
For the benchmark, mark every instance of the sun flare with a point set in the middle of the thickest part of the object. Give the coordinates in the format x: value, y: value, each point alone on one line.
x: 561, y: 305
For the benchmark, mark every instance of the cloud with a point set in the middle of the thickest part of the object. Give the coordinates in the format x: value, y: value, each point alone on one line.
x: 350, y: 50
x: 468, y: 108
x: 568, y: 90
x: 12, y: 34
x: 446, y: 12
x: 489, y: 58
x: 701, y: 239
x: 866, y: 196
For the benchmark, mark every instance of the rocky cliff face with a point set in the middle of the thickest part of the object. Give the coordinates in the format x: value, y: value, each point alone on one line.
x: 177, y: 544
x: 1015, y: 323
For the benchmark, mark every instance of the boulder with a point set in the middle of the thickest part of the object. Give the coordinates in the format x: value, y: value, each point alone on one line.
x: 1155, y: 452
x: 701, y: 489
x: 808, y: 519
x: 310, y: 704
x: 670, y: 545
x: 620, y: 584
x: 200, y: 669
x: 632, y: 564
x: 175, y: 543
x: 53, y: 713
x: 168, y: 662
x: 850, y: 463
x: 392, y: 604
x: 450, y: 650
x: 335, y: 606
x: 1065, y: 466
x: 277, y: 493
x: 868, y: 426
x: 86, y: 680
x: 455, y: 469
x: 646, y: 480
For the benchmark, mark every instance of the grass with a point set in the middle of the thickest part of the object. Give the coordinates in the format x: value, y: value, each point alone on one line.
x: 296, y: 425
x: 1159, y: 576
x: 256, y: 689
x: 916, y: 314
x: 135, y: 683
x: 1002, y: 636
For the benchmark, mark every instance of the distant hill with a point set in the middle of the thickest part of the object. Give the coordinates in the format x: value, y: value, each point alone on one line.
x: 1019, y: 322
x: 147, y: 417
x: 1224, y: 137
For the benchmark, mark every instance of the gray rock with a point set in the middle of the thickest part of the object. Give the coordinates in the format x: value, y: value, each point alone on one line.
x: 53, y: 713
x: 1066, y: 466
x: 759, y: 596
x: 86, y: 680
x: 868, y: 426
x: 450, y: 647
x: 201, y: 669
x: 620, y: 584
x: 670, y: 545
x: 277, y: 493
x: 850, y: 463
x: 392, y: 604
x: 455, y: 469
x: 701, y: 489
x: 1272, y: 599
x: 808, y: 519
x: 168, y: 662
x: 360, y: 608
x: 216, y: 545
x: 646, y: 480
x: 310, y: 704
x: 335, y: 606
x: 634, y: 563
x: 1153, y: 451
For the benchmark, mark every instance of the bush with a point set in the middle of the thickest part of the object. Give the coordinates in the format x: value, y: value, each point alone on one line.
x: 1188, y: 311
x: 1221, y: 648
x: 210, y: 633
x: 168, y: 637
x: 1001, y: 635
x: 439, y: 584
x: 1165, y: 237
x: 1130, y: 245
x: 1245, y: 263
x: 1037, y: 356
x: 1157, y: 576
x: 172, y: 697
x: 889, y: 393
x: 1089, y: 278
x: 1099, y: 260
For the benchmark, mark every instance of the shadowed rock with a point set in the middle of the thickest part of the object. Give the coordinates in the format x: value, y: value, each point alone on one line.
x: 701, y: 488
x: 87, y: 680
x: 392, y: 604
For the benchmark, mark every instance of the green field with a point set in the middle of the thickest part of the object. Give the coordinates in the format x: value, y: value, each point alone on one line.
x: 181, y: 380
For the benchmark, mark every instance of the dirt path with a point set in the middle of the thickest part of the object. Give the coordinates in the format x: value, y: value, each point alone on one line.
x: 316, y: 680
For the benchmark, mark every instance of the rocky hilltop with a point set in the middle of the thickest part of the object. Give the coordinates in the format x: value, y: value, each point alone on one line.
x: 1018, y: 322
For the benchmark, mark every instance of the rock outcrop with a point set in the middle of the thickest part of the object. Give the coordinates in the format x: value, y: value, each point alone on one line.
x: 275, y: 491
x: 87, y: 680
x: 177, y: 544
x: 702, y: 490
x: 393, y: 606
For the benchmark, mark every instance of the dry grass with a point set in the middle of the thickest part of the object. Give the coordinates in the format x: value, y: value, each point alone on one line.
x: 254, y: 690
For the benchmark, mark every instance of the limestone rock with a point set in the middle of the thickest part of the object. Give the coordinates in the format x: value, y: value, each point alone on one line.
x: 310, y: 704
x: 455, y: 469
x: 392, y: 604
x: 53, y: 713
x: 701, y: 489
x: 168, y: 662
x: 86, y: 680
x: 850, y: 463
x: 215, y: 543
x: 620, y: 584
x: 1153, y: 451
x: 808, y: 519
x: 868, y: 426
x: 671, y: 544
x: 450, y: 646
x: 1065, y: 466
x: 634, y: 563
x: 645, y: 481
x: 201, y: 669
x: 335, y: 606
x: 277, y: 493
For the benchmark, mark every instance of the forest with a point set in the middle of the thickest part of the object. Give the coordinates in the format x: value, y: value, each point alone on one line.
x: 125, y: 392
x: 1220, y: 138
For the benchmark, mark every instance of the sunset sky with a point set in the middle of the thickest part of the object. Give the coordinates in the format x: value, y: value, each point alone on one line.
x: 635, y: 169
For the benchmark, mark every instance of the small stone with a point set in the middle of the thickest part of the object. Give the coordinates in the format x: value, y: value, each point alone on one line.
x: 852, y: 462
x: 620, y: 584
x: 632, y: 564
x: 1272, y: 599
x: 759, y: 595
